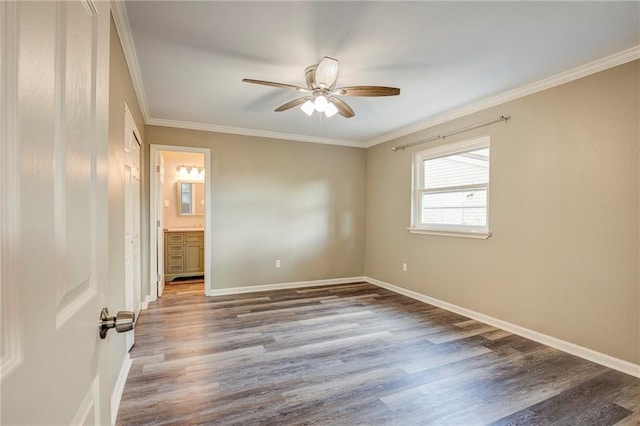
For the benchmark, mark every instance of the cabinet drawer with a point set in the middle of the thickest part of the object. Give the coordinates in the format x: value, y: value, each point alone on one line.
x: 175, y: 259
x: 195, y: 237
x: 174, y: 268
x: 175, y: 238
x: 175, y: 248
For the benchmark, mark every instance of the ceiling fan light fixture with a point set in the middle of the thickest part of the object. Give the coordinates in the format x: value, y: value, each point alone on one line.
x: 322, y: 95
x: 308, y: 108
x: 321, y: 103
x: 330, y: 110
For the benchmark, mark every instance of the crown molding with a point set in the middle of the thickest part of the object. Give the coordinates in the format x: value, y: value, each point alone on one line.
x: 605, y: 63
x: 121, y: 20
x: 251, y: 132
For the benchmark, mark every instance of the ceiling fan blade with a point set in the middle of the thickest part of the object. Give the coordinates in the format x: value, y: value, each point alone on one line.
x: 343, y: 109
x: 293, y: 103
x: 273, y: 84
x: 327, y: 73
x: 367, y: 91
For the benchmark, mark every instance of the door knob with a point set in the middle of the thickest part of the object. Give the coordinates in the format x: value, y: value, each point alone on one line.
x: 123, y: 321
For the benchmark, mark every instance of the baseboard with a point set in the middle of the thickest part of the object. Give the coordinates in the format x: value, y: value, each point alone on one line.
x: 571, y: 348
x: 283, y: 286
x: 118, y: 389
x: 145, y: 302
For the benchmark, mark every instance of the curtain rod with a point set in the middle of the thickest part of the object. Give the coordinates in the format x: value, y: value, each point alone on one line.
x: 466, y: 129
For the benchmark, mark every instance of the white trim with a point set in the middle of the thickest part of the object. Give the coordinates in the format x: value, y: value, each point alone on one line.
x: 470, y: 234
x: 136, y: 132
x: 417, y: 190
x: 602, y: 64
x: 10, y: 221
x: 145, y: 302
x: 118, y: 388
x: 251, y: 132
x: 208, y: 236
x: 571, y: 348
x: 283, y: 286
x: 123, y: 28
x: 90, y: 7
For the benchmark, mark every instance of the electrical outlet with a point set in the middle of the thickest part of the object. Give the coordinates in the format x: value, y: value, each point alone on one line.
x: 166, y: 203
x: 278, y: 264
x: 404, y: 267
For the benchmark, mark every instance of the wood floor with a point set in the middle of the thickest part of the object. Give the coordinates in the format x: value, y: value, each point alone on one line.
x: 353, y: 354
x: 193, y: 286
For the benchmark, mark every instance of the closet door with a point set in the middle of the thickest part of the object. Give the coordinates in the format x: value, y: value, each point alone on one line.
x: 132, y: 267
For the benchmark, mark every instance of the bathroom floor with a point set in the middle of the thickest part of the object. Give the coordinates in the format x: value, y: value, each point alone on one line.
x: 185, y: 286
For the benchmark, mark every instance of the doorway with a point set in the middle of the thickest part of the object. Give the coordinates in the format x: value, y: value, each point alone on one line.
x: 180, y: 210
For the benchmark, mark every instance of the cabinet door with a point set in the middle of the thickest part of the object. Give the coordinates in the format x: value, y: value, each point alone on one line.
x: 192, y: 257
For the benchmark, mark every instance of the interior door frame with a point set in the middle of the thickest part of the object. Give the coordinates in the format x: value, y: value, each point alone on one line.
x: 135, y: 292
x: 153, y: 217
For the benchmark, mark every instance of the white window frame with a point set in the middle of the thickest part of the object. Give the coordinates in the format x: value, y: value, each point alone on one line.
x: 417, y: 189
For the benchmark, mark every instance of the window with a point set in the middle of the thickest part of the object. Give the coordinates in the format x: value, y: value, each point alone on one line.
x: 451, y: 189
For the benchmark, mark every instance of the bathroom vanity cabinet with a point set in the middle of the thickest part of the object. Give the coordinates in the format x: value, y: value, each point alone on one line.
x: 183, y: 253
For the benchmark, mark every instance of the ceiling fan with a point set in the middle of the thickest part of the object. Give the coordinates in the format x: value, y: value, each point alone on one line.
x: 321, y: 94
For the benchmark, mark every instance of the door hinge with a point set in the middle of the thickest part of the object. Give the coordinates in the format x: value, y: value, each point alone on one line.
x: 158, y: 224
x: 157, y: 169
x: 159, y: 278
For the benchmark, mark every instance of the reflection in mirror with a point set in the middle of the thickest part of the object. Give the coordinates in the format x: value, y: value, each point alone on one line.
x: 190, y: 198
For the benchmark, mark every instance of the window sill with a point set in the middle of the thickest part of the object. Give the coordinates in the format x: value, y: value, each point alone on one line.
x: 479, y: 235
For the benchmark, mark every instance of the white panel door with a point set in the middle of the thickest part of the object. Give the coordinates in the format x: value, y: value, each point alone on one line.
x: 54, y: 103
x: 160, y: 222
x: 131, y: 222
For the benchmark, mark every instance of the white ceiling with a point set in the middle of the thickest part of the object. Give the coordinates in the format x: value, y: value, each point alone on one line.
x: 188, y: 58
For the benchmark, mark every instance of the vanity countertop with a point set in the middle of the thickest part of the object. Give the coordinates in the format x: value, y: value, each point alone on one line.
x: 183, y: 229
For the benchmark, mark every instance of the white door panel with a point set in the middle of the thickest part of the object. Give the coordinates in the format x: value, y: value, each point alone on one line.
x: 54, y: 79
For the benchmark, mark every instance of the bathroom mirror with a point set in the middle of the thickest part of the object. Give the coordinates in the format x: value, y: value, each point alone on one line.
x: 190, y: 198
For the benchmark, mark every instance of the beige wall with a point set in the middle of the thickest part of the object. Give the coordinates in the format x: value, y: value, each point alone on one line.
x: 302, y: 203
x: 563, y: 259
x: 120, y: 91
x: 170, y: 216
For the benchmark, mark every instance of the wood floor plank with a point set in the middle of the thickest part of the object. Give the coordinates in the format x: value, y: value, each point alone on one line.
x: 352, y: 354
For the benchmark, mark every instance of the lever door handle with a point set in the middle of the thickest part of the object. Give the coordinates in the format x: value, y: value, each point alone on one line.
x: 123, y: 321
